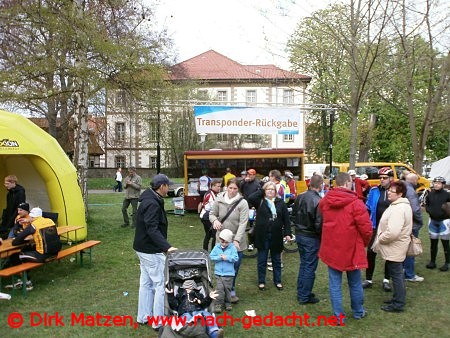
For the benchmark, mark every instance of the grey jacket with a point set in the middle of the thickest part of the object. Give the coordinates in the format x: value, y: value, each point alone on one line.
x: 236, y: 222
x: 132, y: 186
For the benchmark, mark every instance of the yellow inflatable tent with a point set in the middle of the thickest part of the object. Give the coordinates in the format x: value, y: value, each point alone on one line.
x: 42, y: 168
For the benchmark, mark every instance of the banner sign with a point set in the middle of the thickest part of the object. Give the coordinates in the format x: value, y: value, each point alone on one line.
x: 248, y: 120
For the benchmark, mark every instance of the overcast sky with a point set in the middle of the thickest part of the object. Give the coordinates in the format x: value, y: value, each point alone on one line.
x: 247, y: 31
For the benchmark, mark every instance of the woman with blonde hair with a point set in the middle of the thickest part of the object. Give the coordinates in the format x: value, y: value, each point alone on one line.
x: 272, y: 226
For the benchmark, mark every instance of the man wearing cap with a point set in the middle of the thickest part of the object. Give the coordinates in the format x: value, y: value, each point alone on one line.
x: 15, y: 196
x: 250, y: 184
x: 132, y: 185
x: 150, y: 244
x: 23, y: 220
x: 361, y: 187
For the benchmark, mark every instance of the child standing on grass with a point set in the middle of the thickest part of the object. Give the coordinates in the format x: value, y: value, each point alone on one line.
x: 224, y: 255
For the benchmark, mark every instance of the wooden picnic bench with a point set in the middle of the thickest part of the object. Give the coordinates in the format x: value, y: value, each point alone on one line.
x: 23, y: 268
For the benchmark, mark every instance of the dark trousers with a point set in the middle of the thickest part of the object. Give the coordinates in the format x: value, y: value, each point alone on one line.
x: 371, y: 257
x: 262, y: 262
x: 395, y: 270
x: 118, y: 186
x: 210, y: 233
x: 434, y: 249
x: 134, y: 205
x: 237, y: 265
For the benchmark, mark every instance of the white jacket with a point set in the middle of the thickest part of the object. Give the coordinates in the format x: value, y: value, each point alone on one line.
x: 394, y: 231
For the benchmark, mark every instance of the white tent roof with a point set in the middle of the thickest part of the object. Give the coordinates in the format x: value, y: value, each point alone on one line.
x: 441, y: 168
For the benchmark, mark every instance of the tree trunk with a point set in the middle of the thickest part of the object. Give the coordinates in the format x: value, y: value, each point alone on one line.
x: 81, y: 140
x: 366, y: 141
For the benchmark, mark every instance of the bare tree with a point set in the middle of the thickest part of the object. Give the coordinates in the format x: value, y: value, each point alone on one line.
x: 354, y: 37
x: 57, y: 55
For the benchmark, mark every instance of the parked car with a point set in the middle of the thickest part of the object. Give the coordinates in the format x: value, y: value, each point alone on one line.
x: 371, y: 170
x: 176, y: 190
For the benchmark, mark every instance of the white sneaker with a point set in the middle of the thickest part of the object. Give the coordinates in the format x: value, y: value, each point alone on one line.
x: 415, y: 279
x: 29, y: 285
x: 17, y: 285
x: 5, y: 296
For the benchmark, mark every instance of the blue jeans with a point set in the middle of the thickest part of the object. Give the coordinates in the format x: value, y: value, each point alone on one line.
x: 262, y: 262
x: 408, y: 264
x: 308, y: 248
x: 151, y: 286
x: 355, y: 288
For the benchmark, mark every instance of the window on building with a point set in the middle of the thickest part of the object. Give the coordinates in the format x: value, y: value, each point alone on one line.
x: 153, y: 130
x: 288, y: 138
x: 121, y: 98
x: 202, y: 95
x: 120, y: 131
x: 153, y: 162
x: 251, y: 138
x: 222, y: 95
x: 250, y: 97
x: 120, y: 162
x: 94, y: 161
x: 222, y: 137
x: 288, y: 96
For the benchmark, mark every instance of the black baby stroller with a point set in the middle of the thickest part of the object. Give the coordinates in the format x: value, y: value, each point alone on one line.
x: 182, y: 265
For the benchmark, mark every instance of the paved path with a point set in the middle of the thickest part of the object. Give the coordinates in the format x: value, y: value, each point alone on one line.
x: 104, y: 191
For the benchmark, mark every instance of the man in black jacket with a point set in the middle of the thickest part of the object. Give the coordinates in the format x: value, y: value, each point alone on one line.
x: 150, y: 244
x: 308, y: 224
x: 250, y: 184
x: 15, y: 196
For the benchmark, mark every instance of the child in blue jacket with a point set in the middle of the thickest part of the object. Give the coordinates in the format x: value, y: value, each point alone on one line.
x: 224, y: 254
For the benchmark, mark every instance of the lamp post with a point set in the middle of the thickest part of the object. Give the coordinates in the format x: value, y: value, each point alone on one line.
x: 158, y: 142
x: 331, y: 146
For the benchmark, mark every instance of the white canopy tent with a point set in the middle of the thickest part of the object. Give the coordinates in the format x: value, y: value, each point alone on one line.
x: 441, y: 168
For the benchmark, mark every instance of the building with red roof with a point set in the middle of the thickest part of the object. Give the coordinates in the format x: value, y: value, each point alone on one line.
x: 215, y: 79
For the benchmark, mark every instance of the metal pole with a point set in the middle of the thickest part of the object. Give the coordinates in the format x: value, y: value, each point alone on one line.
x: 331, y: 146
x: 158, y: 144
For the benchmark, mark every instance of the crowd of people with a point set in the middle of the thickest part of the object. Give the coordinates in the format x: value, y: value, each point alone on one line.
x: 346, y: 227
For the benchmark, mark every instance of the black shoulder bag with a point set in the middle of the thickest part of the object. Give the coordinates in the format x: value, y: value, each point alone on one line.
x: 231, y: 210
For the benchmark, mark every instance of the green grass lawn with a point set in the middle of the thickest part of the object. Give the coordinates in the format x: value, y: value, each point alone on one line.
x: 65, y: 288
x: 109, y: 183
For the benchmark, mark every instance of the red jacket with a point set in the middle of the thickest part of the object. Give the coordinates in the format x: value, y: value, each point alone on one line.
x: 346, y: 230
